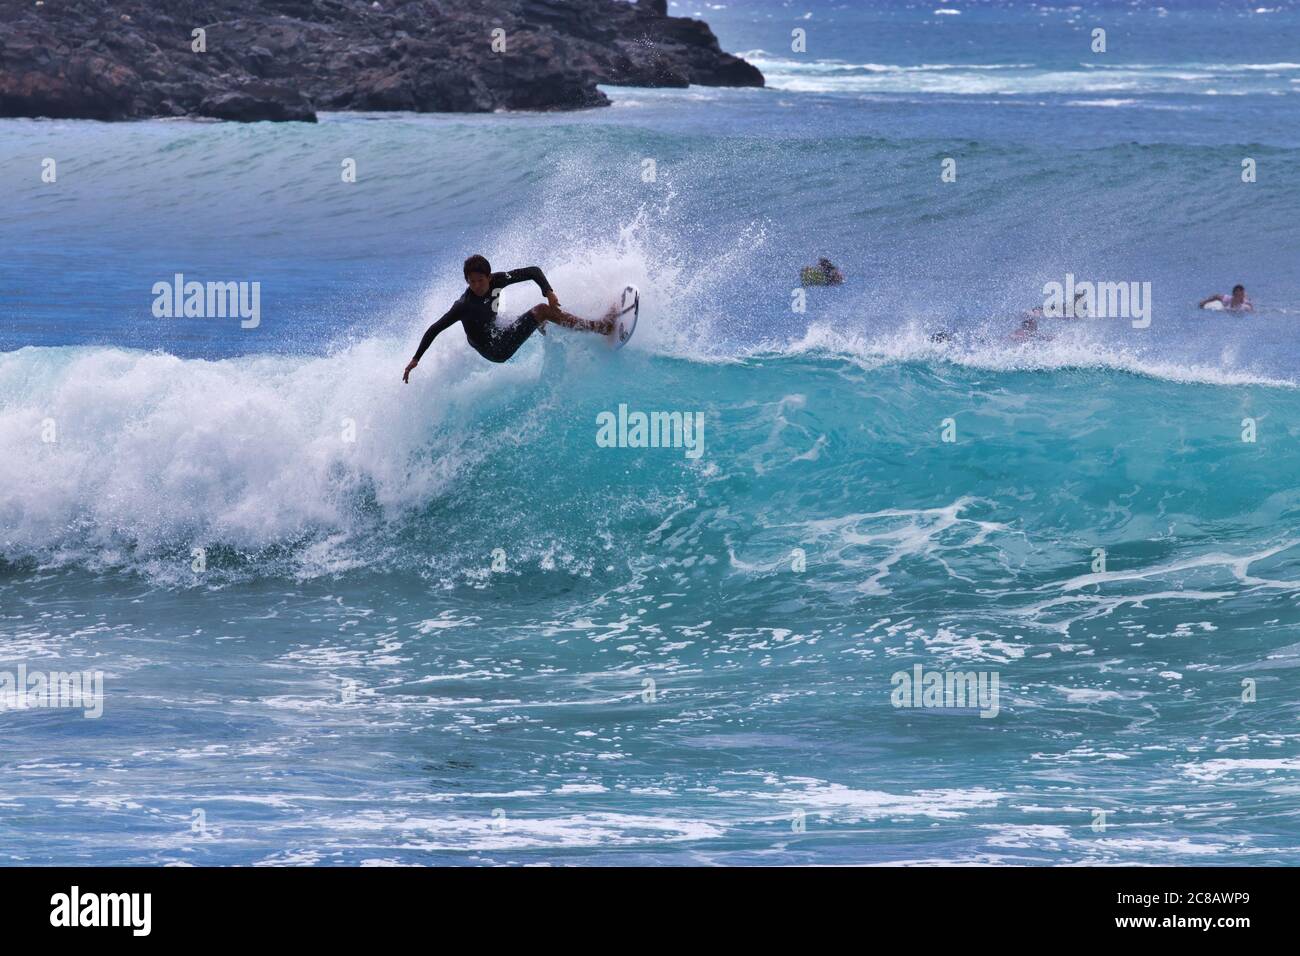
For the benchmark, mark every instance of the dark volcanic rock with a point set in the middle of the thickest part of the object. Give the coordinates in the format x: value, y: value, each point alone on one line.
x: 284, y: 59
x: 258, y: 101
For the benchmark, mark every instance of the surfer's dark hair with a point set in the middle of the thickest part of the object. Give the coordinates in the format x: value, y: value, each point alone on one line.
x: 1238, y: 288
x: 479, y: 264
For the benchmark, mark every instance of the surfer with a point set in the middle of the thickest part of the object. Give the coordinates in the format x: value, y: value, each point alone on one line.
x: 1237, y: 302
x: 476, y: 310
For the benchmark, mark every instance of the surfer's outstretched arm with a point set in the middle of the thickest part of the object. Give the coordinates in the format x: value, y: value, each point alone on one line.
x: 523, y: 275
x: 431, y: 333
x: 536, y: 275
x: 551, y: 311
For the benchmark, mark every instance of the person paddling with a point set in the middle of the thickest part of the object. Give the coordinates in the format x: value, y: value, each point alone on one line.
x: 1237, y: 302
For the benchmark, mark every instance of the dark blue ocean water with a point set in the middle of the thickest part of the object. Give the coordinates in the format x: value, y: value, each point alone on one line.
x: 440, y: 623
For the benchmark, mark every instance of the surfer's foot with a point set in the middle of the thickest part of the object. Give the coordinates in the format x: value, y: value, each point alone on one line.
x: 600, y: 327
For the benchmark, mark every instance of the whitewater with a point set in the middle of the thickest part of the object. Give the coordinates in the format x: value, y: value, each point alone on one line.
x: 345, y: 620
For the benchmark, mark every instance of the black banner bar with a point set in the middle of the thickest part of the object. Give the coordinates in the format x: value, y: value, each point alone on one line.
x: 1222, y: 905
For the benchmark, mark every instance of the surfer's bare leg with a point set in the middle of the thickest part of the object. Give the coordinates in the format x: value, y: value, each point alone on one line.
x: 550, y: 313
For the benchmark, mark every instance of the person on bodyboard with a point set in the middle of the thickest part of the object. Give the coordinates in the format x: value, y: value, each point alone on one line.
x: 476, y: 310
x: 1237, y: 302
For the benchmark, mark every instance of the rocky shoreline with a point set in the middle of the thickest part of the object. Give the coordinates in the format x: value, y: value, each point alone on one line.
x: 286, y: 59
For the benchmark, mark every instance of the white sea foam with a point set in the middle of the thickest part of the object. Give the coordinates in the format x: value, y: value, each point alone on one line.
x: 1242, y: 769
x: 152, y: 449
x: 848, y: 804
x: 839, y: 76
x: 997, y: 353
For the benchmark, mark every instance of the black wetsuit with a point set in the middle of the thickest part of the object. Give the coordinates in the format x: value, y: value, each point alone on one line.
x: 494, y: 342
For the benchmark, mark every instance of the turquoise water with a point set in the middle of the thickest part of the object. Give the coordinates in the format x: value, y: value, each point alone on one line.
x: 440, y: 623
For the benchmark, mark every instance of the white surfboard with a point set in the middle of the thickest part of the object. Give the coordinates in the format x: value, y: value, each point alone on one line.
x: 626, y: 311
x: 1214, y: 305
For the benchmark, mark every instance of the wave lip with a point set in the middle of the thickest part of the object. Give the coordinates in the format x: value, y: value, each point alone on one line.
x: 992, y: 353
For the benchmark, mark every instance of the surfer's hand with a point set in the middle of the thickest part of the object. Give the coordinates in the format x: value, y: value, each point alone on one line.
x: 406, y: 376
x: 553, y: 299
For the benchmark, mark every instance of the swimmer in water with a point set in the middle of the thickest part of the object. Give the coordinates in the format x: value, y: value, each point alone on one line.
x: 830, y: 271
x: 1237, y: 302
x: 824, y: 273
